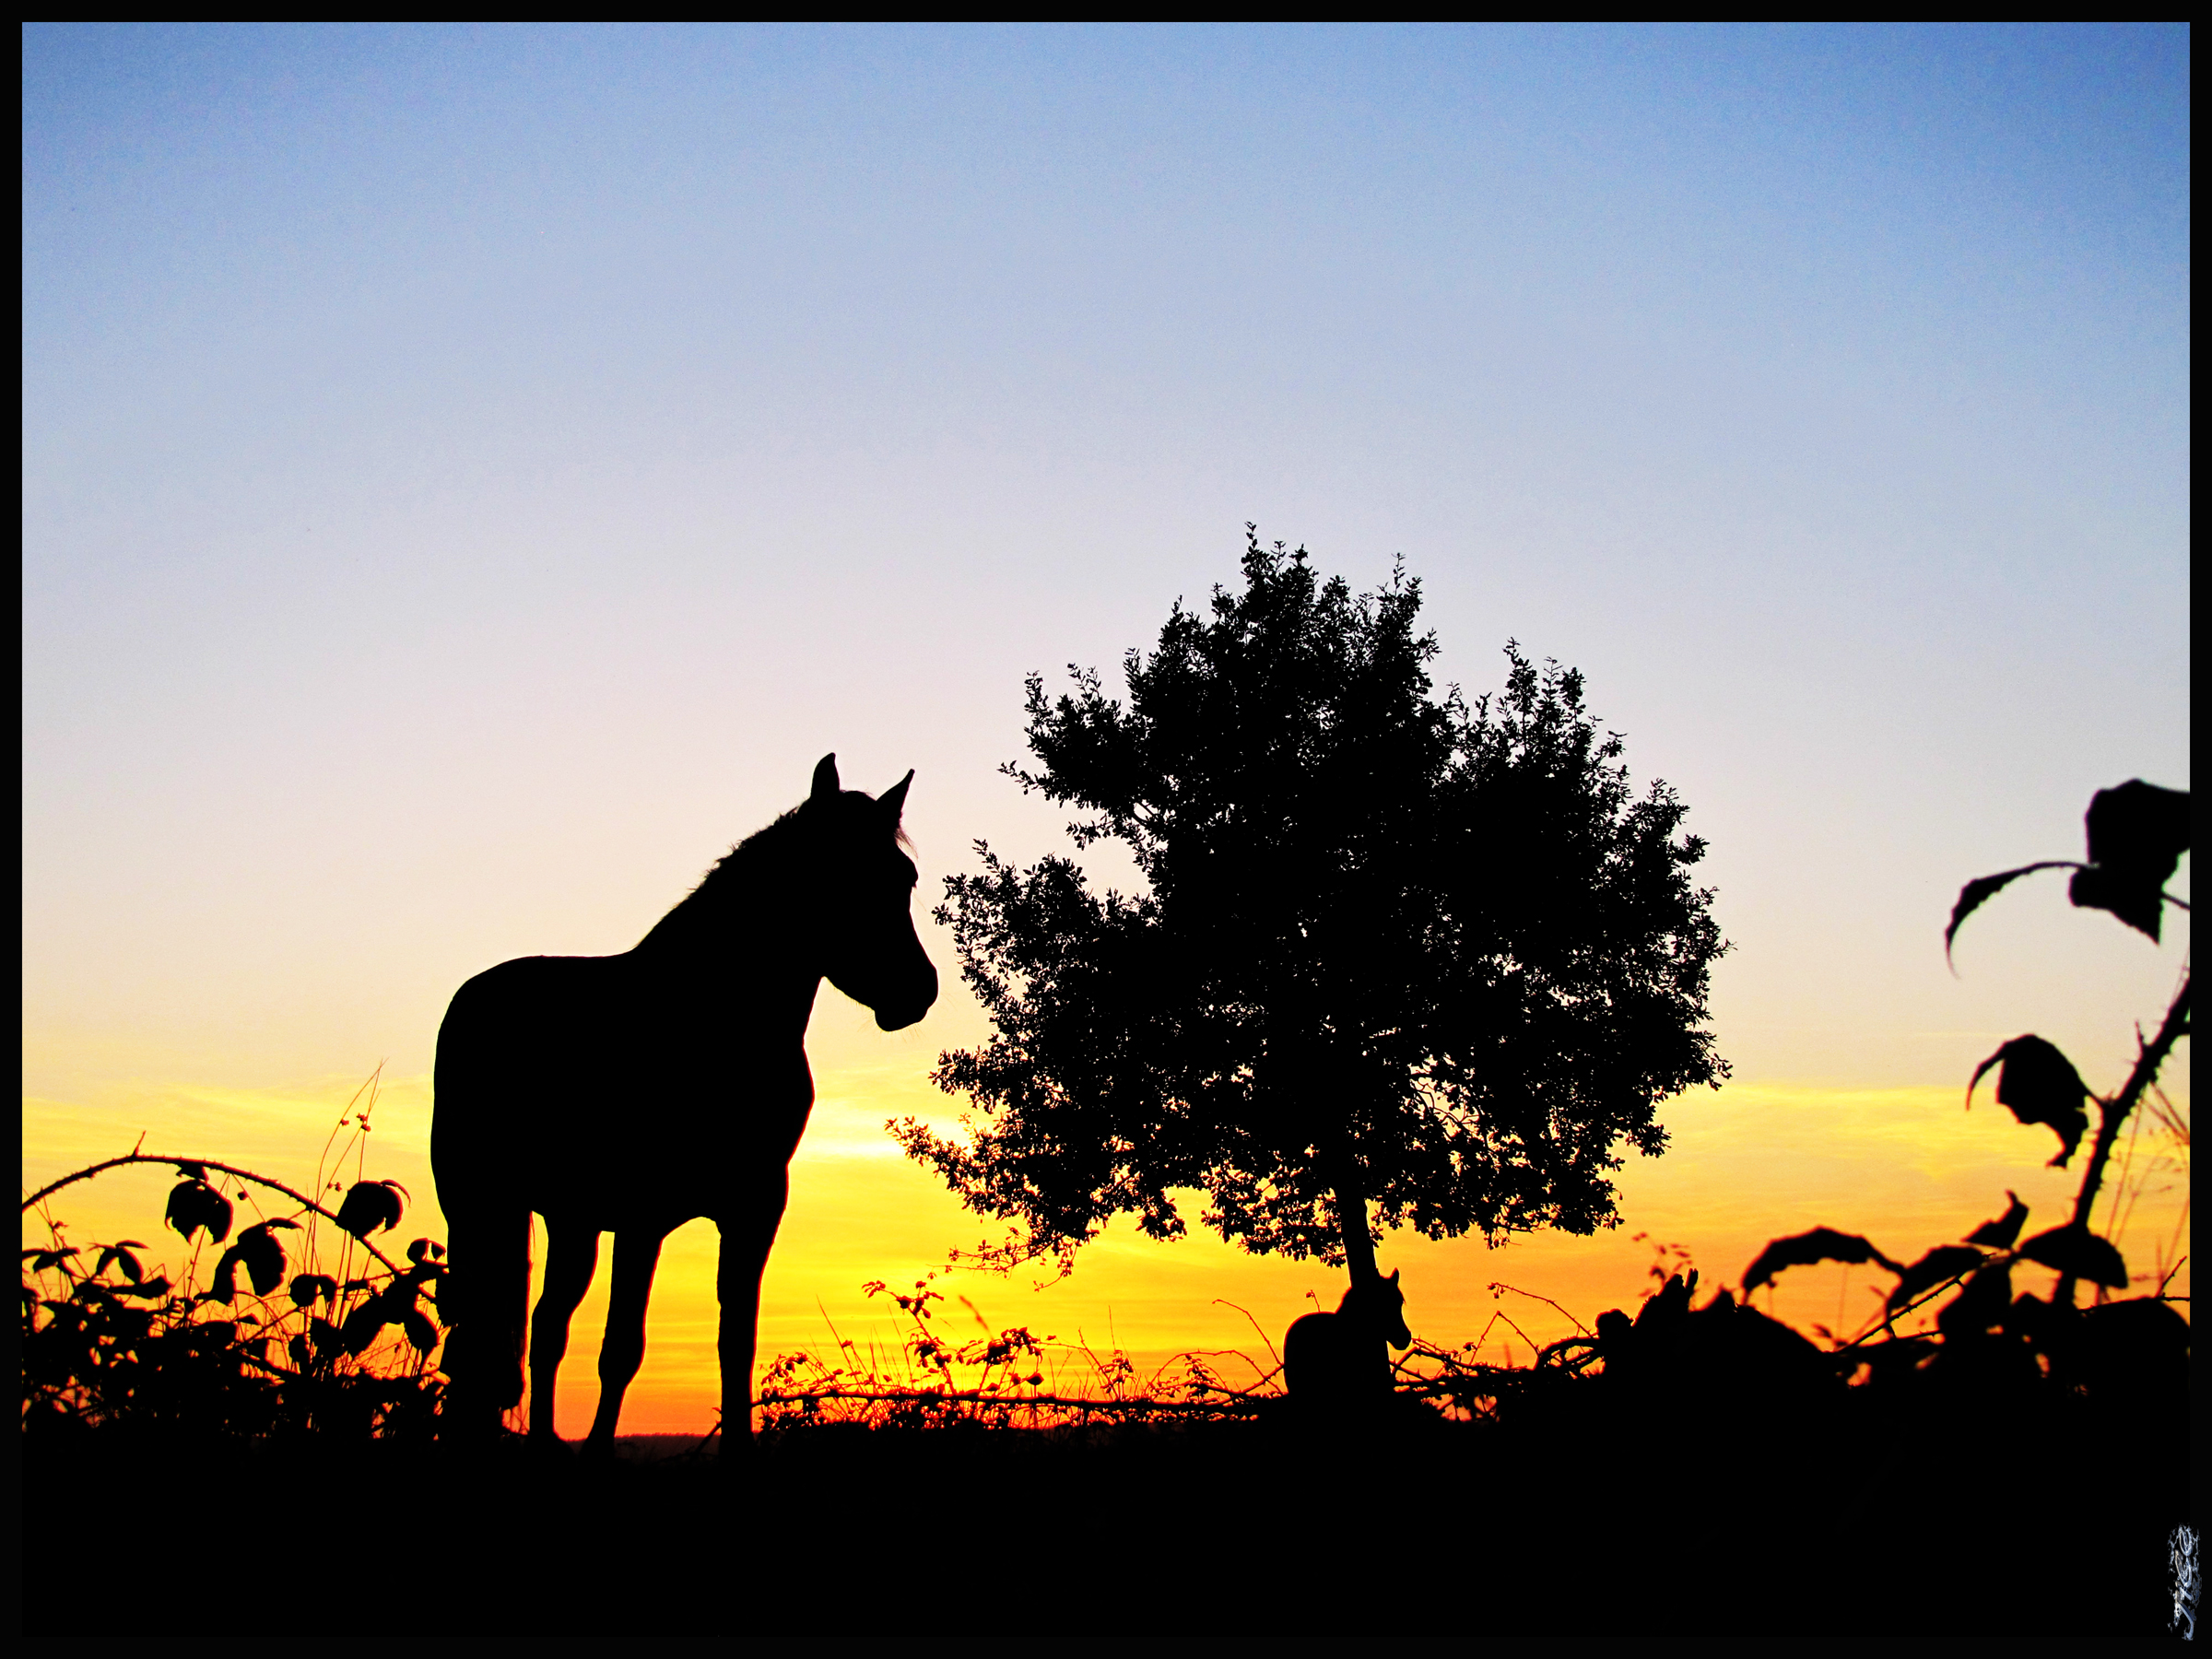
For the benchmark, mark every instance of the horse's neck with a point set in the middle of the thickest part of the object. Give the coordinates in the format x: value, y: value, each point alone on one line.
x: 1366, y: 1303
x: 738, y: 944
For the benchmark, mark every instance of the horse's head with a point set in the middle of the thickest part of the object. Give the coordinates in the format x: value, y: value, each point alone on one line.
x: 864, y: 895
x: 1379, y: 1305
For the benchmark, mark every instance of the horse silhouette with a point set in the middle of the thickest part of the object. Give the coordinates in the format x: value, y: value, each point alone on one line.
x: 1338, y: 1360
x: 631, y: 1093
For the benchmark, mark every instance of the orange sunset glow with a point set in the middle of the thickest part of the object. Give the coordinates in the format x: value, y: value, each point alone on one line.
x: 1907, y: 1166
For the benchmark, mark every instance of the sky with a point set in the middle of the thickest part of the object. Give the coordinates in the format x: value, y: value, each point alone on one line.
x: 472, y: 474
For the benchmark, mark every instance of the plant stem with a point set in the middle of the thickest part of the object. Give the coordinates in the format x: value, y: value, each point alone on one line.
x: 2112, y: 1113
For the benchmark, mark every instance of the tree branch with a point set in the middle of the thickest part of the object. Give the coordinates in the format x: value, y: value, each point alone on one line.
x: 206, y: 1164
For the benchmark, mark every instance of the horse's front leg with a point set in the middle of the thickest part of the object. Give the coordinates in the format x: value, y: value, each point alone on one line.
x: 748, y: 1234
x: 571, y: 1257
x: 637, y: 1253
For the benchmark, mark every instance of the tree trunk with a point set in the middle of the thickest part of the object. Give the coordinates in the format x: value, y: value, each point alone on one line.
x: 1327, y: 1088
x: 1351, y: 1214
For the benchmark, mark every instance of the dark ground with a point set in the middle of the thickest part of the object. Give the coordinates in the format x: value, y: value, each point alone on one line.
x: 1968, y: 1526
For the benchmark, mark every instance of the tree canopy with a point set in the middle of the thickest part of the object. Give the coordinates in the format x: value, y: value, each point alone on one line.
x: 1400, y: 960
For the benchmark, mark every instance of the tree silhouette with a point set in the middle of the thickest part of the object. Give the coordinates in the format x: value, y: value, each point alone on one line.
x: 1395, y: 951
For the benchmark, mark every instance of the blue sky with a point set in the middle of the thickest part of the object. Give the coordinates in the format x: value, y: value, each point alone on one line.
x: 472, y: 472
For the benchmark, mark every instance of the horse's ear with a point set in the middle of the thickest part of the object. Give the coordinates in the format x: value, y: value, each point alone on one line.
x: 893, y: 800
x: 825, y: 779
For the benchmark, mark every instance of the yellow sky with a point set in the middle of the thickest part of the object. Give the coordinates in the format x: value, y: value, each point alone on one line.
x: 1906, y: 1166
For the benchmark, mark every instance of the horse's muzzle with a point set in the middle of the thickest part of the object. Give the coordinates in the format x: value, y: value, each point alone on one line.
x: 898, y: 1019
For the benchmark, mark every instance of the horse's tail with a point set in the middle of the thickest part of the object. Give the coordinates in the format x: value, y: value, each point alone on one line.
x: 486, y: 1293
x: 1310, y: 1364
x: 486, y: 1299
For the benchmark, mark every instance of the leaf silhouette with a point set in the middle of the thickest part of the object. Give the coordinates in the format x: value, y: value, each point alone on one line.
x: 2041, y: 1085
x: 262, y: 1254
x: 1800, y: 1250
x: 2137, y: 834
x: 1979, y: 892
x: 1946, y: 1261
x: 120, y: 1253
x: 151, y: 1289
x: 2142, y: 907
x: 2000, y: 1233
x: 371, y: 1205
x: 419, y: 1330
x: 2080, y: 1254
x: 309, y: 1286
x: 1985, y: 1300
x: 193, y: 1204
x: 223, y: 1288
x: 1669, y: 1304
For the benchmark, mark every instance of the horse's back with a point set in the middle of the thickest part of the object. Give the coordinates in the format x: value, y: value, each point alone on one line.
x: 1328, y: 1355
x: 610, y: 1086
x: 500, y: 1024
x: 515, y: 1038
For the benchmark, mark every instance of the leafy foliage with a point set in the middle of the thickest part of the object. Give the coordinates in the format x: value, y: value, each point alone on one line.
x: 1993, y: 1351
x: 294, y: 1350
x: 2136, y: 833
x: 1393, y: 948
x: 1986, y: 1336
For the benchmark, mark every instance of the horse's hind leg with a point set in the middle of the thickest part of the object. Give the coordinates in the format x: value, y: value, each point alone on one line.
x: 623, y: 1351
x: 571, y: 1257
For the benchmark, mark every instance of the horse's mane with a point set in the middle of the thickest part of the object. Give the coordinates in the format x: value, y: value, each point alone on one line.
x: 733, y: 874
